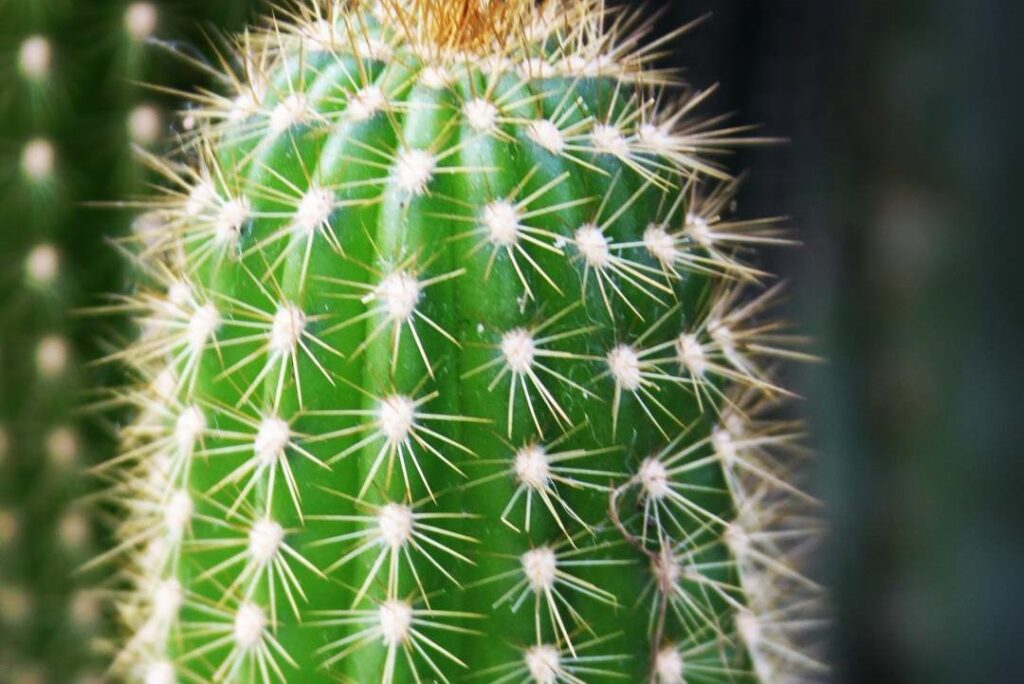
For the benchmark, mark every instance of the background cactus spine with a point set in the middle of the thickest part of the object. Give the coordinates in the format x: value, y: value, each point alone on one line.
x: 452, y: 366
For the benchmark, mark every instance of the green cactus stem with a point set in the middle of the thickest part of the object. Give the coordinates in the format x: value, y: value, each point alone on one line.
x: 453, y: 366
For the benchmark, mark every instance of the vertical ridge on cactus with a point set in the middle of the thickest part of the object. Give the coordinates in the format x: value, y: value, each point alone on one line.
x: 453, y: 366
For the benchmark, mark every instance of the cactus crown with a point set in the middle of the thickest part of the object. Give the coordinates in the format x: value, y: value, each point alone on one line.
x: 450, y: 368
x: 468, y: 26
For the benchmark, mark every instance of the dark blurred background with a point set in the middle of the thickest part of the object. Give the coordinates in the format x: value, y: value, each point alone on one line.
x: 900, y: 179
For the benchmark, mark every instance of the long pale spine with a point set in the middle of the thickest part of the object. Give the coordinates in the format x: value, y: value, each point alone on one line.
x: 452, y: 369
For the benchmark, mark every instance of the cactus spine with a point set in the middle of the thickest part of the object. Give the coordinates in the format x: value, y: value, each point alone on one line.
x: 69, y: 114
x: 452, y: 367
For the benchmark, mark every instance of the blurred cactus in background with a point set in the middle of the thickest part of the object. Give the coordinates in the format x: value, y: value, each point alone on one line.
x: 71, y: 112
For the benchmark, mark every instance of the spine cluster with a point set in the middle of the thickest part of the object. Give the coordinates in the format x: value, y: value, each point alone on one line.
x: 453, y: 364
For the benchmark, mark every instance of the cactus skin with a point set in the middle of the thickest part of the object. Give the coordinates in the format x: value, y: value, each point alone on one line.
x: 70, y: 112
x: 451, y: 368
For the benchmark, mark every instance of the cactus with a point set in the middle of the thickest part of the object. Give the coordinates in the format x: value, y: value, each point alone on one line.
x: 47, y: 622
x: 69, y: 114
x: 453, y: 365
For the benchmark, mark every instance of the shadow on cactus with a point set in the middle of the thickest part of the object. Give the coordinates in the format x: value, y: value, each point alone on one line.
x: 453, y: 366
